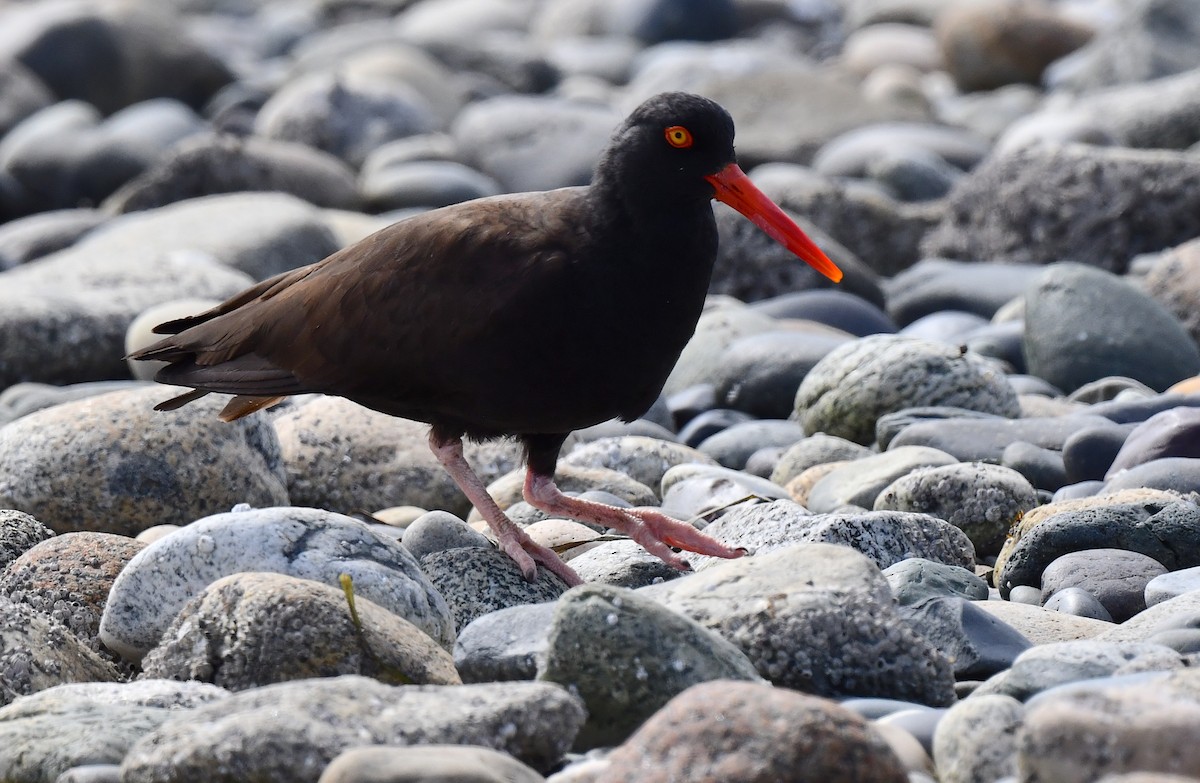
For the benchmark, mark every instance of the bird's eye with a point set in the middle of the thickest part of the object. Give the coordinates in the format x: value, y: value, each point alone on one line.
x: 678, y: 136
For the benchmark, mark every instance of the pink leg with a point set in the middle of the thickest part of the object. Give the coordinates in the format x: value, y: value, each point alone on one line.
x: 524, y: 551
x: 654, y: 530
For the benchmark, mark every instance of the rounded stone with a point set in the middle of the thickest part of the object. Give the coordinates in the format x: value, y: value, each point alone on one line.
x: 246, y: 630
x: 158, y: 467
x: 982, y: 500
x: 300, y: 542
x: 858, y: 382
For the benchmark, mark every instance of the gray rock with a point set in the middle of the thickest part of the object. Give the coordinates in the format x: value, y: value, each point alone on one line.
x: 1177, y: 474
x: 250, y: 629
x: 975, y: 742
x: 1078, y: 602
x: 1035, y: 192
x: 21, y: 94
x: 982, y: 439
x: 692, y: 491
x: 342, y: 456
x: 626, y: 656
x: 853, y: 153
x: 1161, y: 529
x: 65, y: 317
x: 346, y: 117
x: 68, y: 579
x: 1082, y: 324
x: 861, y: 482
x: 1150, y: 39
x: 1170, y: 585
x: 858, y: 382
x: 759, y: 374
x: 434, y: 531
x: 839, y: 309
x: 982, y: 500
x: 1042, y: 626
x: 1180, y: 612
x: 816, y: 449
x: 252, y: 735
x: 621, y: 563
x: 85, y: 724
x: 934, y: 285
x: 434, y: 183
x: 1076, y: 737
x: 1117, y: 578
x: 884, y: 537
x: 37, y: 652
x: 828, y: 606
x: 977, y: 643
x: 1155, y: 114
x: 262, y: 234
x: 120, y: 54
x: 914, y: 579
x: 24, y: 240
x: 1171, y: 433
x: 827, y: 102
x: 733, y: 445
x: 209, y: 164
x: 300, y: 542
x: 717, y: 328
x: 505, y: 644
x: 1049, y: 665
x: 1042, y: 468
x: 476, y: 581
x: 18, y: 533
x: 644, y: 459
x: 426, y: 763
x: 510, y: 139
x: 751, y: 732
x: 160, y: 467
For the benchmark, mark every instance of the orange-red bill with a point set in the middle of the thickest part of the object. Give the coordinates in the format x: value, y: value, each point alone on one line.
x: 734, y: 188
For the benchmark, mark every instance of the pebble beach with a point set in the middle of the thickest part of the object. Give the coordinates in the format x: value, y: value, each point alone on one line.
x: 967, y: 478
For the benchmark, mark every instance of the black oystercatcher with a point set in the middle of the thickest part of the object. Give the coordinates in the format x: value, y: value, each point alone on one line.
x: 527, y: 315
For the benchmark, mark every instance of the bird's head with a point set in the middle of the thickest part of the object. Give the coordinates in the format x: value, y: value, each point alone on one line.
x: 680, y: 146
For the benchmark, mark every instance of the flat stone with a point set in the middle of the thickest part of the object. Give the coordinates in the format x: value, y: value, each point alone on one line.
x: 426, y: 762
x: 251, y: 735
x: 861, y: 482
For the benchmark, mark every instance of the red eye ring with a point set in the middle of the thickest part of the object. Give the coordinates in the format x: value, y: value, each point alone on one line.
x: 678, y: 136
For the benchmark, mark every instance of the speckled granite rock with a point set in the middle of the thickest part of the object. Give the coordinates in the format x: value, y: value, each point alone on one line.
x: 251, y: 629
x: 858, y: 382
x: 159, y: 467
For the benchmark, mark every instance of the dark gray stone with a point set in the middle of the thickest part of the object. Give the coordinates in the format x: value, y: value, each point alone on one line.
x: 476, y: 581
x: 209, y: 164
x: 1164, y: 530
x: 978, y: 644
x: 936, y: 284
x: 626, y: 656
x: 839, y: 309
x: 1116, y: 578
x: 1078, y: 602
x: 1082, y: 324
x: 733, y: 445
x: 759, y: 374
x: 984, y: 440
x: 1088, y: 453
x: 914, y: 579
x: 505, y: 644
x: 1103, y: 204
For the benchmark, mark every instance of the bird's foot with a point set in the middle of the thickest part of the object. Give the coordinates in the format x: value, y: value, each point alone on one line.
x: 654, y: 530
x: 513, y: 540
x: 527, y: 554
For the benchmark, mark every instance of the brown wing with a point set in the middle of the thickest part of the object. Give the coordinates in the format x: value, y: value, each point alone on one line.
x: 395, y: 316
